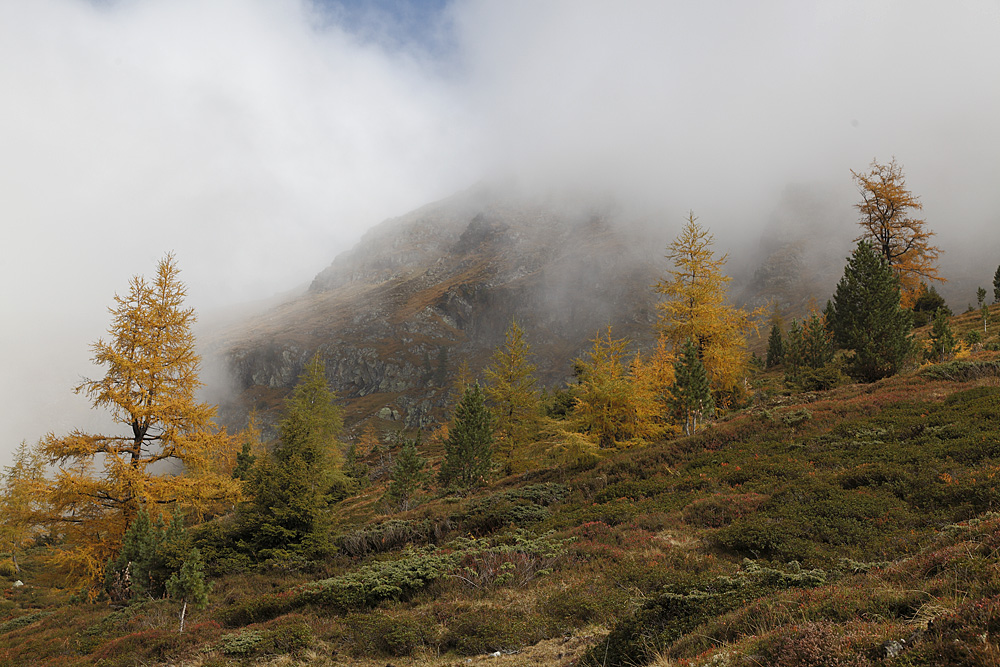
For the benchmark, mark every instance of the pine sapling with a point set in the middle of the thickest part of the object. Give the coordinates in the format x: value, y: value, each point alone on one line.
x: 188, y: 585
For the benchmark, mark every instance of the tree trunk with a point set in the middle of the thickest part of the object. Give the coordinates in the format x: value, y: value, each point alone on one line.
x: 183, y: 611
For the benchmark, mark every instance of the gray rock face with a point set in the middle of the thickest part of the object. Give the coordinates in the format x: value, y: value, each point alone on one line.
x: 396, y: 316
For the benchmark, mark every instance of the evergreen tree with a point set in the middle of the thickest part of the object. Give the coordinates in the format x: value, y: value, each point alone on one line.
x: 692, y: 396
x: 867, y: 317
x: 942, y: 338
x: 927, y: 305
x: 188, y: 584
x: 996, y: 286
x: 291, y: 490
x: 151, y: 552
x: 512, y: 391
x: 244, y: 462
x: 984, y: 311
x: 407, y: 475
x: 469, y: 446
x: 817, y: 342
x: 775, y: 346
x: 795, y: 352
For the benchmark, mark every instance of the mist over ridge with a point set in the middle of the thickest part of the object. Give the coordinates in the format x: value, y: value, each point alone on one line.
x: 258, y: 140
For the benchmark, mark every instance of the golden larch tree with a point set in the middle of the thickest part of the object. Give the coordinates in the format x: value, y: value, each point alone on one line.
x: 21, y: 501
x: 887, y: 216
x: 149, y: 385
x: 695, y: 306
x: 653, y: 377
x: 512, y: 393
x: 614, y: 407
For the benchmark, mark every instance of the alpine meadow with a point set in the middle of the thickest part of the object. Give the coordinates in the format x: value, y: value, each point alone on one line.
x: 649, y: 362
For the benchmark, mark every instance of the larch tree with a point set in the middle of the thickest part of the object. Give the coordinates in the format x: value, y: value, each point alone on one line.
x: 605, y: 405
x: 695, y: 307
x: 887, y: 216
x: 653, y: 379
x: 149, y: 385
x: 511, y: 390
x: 613, y: 406
x: 21, y: 501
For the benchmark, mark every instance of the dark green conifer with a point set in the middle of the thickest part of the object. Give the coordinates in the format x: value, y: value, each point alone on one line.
x: 692, y: 398
x: 817, y: 342
x: 927, y: 305
x: 407, y: 475
x: 188, y: 584
x: 868, y: 320
x: 290, y: 491
x: 996, y: 286
x: 151, y: 551
x: 795, y: 352
x: 942, y: 338
x: 775, y: 347
x: 469, y: 446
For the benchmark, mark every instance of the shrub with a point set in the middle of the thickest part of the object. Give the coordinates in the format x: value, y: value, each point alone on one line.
x: 719, y: 510
x: 962, y: 371
x: 287, y: 635
x: 486, y: 630
x: 678, y: 610
x: 22, y: 621
x: 257, y: 609
x: 571, y: 607
x: 377, y: 633
x: 517, y: 507
x: 392, y: 535
x: 811, y: 645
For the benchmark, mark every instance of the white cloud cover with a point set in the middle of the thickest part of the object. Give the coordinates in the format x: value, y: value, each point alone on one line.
x: 258, y: 138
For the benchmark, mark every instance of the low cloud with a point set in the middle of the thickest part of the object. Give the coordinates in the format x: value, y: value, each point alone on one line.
x: 258, y: 138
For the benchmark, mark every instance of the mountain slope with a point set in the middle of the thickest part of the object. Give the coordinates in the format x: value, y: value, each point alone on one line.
x: 420, y: 294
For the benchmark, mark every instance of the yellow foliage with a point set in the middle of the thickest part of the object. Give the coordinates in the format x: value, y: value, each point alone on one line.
x: 169, y: 455
x: 902, y: 240
x: 22, y: 499
x: 369, y: 442
x: 512, y: 393
x: 695, y: 307
x: 620, y: 405
x: 654, y: 380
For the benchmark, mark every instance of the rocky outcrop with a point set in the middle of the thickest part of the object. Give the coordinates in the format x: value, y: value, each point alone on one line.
x: 419, y: 294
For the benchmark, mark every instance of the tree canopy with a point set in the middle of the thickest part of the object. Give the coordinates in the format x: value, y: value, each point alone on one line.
x: 149, y: 385
x: 887, y: 217
x: 695, y: 307
x: 291, y: 489
x: 512, y: 391
x: 867, y: 318
x: 469, y: 445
